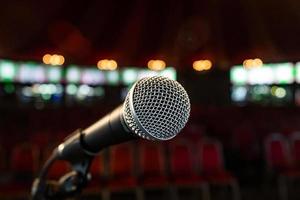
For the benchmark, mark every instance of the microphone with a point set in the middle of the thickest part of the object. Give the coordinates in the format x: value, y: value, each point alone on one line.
x: 155, y: 108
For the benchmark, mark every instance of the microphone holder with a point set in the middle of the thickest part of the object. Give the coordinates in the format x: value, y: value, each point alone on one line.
x: 69, y: 185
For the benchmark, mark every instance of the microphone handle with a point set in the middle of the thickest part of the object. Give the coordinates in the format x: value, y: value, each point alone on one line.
x: 107, y: 131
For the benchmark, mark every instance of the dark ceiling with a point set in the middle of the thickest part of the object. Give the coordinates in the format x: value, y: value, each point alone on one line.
x: 132, y: 32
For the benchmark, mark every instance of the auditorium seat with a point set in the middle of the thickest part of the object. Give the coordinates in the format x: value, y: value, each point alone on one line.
x: 122, y: 177
x: 24, y: 161
x: 183, y: 174
x: 278, y: 158
x: 152, y: 165
x: 23, y: 166
x: 277, y: 153
x: 98, y: 175
x: 295, y: 149
x: 58, y: 169
x: 152, y: 169
x: 211, y: 164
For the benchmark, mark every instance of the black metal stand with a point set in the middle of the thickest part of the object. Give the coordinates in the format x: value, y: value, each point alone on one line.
x: 69, y: 185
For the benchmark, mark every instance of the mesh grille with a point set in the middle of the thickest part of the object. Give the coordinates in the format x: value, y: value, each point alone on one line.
x: 156, y: 108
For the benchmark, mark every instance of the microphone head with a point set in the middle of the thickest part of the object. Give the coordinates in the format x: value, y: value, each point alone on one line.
x: 156, y: 108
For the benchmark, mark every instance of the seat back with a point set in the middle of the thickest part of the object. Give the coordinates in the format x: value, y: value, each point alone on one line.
x: 151, y: 162
x: 277, y: 152
x: 24, y: 160
x: 121, y: 160
x: 97, y: 168
x: 211, y: 157
x: 181, y: 159
x: 295, y: 148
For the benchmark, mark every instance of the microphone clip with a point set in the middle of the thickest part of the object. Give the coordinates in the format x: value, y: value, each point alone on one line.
x: 69, y: 185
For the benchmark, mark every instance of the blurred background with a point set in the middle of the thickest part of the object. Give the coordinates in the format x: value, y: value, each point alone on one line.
x: 65, y: 64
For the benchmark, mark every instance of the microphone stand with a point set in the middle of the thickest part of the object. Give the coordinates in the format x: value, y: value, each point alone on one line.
x: 69, y: 185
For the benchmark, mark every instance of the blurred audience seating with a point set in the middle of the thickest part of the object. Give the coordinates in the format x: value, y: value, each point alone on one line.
x: 241, y: 132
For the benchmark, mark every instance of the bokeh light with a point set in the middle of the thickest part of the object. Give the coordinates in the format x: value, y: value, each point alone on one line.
x: 202, y: 65
x: 156, y: 65
x: 54, y: 59
x: 107, y: 64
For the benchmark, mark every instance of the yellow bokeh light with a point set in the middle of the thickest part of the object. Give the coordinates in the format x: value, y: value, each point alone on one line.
x: 252, y: 63
x: 156, y: 65
x: 202, y: 65
x: 257, y: 62
x: 46, y: 58
x: 61, y: 60
x: 107, y: 64
x: 53, y: 59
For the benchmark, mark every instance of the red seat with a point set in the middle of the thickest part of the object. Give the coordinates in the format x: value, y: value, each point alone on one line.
x: 152, y: 166
x: 97, y: 168
x: 121, y: 173
x: 24, y: 164
x: 295, y: 149
x: 182, y: 171
x: 24, y: 161
x: 279, y: 161
x: 98, y: 174
x: 277, y: 153
x: 121, y: 167
x: 58, y: 169
x: 212, y: 166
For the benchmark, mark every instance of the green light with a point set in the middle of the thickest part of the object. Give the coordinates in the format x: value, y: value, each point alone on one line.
x: 112, y: 77
x: 9, y: 88
x: 238, y: 75
x: 71, y: 89
x: 54, y: 74
x: 31, y: 72
x: 46, y: 96
x: 169, y: 72
x: 73, y: 74
x: 284, y: 73
x: 8, y: 71
x: 129, y: 76
x: 297, y: 72
x: 280, y: 92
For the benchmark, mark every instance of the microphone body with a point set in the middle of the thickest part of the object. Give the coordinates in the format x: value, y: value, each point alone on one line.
x: 109, y: 130
x: 155, y: 108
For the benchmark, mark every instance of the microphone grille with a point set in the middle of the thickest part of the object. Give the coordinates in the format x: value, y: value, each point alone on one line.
x: 156, y: 108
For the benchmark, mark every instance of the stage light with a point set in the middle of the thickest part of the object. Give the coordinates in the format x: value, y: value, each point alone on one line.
x: 112, y: 77
x: 54, y: 59
x: 46, y: 58
x: 202, y: 65
x: 129, y: 76
x: 8, y: 71
x: 156, y: 65
x: 71, y: 89
x: 27, y: 91
x: 54, y: 74
x: 107, y: 64
x: 169, y: 72
x: 73, y: 74
x: 257, y: 62
x: 238, y: 75
x: 280, y: 92
x: 61, y: 60
x: 252, y: 63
